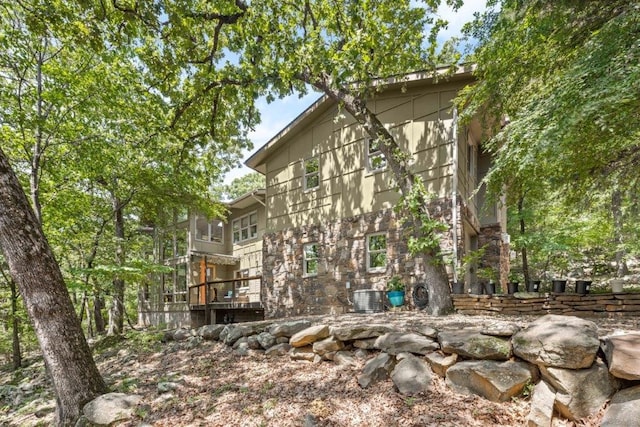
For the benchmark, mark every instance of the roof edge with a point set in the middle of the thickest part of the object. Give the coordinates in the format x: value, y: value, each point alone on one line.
x: 256, y: 160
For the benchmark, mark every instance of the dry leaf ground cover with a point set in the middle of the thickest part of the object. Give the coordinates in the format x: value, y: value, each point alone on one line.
x: 209, y: 385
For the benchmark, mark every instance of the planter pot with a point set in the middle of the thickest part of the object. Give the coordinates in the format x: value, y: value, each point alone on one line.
x: 457, y: 288
x: 533, y: 286
x: 512, y: 287
x: 559, y: 286
x: 582, y: 286
x: 476, y: 288
x: 490, y: 288
x: 617, y: 286
x: 396, y: 298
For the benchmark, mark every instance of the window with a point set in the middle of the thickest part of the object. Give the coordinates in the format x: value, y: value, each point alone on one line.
x: 175, y: 284
x: 241, y: 274
x: 376, y: 252
x: 208, y: 231
x: 311, y: 174
x: 245, y: 228
x: 375, y: 158
x: 310, y: 259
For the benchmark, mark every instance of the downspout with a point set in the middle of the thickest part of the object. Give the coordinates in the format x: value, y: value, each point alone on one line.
x: 454, y: 194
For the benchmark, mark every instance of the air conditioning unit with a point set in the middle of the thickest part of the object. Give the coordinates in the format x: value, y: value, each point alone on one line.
x: 368, y: 301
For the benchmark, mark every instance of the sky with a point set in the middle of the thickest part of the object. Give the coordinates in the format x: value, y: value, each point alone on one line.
x: 278, y: 114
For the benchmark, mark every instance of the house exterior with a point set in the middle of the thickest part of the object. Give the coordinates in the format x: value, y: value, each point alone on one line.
x: 330, y: 225
x: 215, y: 267
x: 325, y: 228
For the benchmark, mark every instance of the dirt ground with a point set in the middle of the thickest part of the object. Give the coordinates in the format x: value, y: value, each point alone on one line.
x: 209, y: 385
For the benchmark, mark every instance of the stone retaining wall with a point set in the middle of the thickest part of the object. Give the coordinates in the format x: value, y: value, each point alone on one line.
x: 590, y: 305
x: 570, y: 371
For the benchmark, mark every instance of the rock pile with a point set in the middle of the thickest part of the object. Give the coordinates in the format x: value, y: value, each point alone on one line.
x: 560, y: 360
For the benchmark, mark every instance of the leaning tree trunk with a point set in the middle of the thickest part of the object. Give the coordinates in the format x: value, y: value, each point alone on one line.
x: 435, y: 275
x: 75, y: 377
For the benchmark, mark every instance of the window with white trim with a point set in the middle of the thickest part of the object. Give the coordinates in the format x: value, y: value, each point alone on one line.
x: 245, y: 227
x: 377, y: 252
x: 375, y: 159
x: 208, y: 231
x: 310, y: 259
x: 311, y: 173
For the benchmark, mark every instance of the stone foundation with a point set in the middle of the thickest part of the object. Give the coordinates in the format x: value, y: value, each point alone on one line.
x: 341, y: 260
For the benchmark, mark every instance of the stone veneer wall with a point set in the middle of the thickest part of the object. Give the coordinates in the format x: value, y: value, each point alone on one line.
x: 590, y: 305
x: 496, y: 253
x: 341, y: 259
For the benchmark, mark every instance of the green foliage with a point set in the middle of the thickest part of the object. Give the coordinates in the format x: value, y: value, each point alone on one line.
x: 244, y: 184
x: 563, y: 72
x: 424, y: 231
x: 395, y: 284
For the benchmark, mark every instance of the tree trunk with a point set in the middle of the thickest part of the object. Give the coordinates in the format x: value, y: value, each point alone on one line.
x: 15, y: 326
x: 618, y: 221
x: 98, y: 318
x: 525, y: 261
x: 435, y: 275
x: 116, y: 313
x: 74, y: 375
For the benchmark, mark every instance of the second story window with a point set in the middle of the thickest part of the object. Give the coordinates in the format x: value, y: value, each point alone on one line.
x: 310, y: 259
x: 376, y: 252
x: 311, y: 174
x: 245, y: 227
x: 375, y: 159
x: 209, y: 231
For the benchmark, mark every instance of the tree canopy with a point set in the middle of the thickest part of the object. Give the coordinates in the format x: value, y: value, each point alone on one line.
x: 562, y: 78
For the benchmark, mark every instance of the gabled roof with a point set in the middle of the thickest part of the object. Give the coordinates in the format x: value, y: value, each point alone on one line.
x: 322, y: 104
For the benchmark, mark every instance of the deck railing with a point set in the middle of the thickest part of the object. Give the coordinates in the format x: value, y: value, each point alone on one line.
x: 241, y: 292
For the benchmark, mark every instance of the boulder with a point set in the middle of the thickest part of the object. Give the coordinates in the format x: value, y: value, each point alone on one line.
x: 327, y: 345
x: 359, y: 332
x: 411, y: 375
x: 622, y: 353
x: 241, y: 347
x: 440, y: 362
x: 398, y: 342
x: 278, y: 350
x: 210, y: 332
x: 253, y: 342
x: 558, y: 341
x: 240, y: 341
x: 580, y: 392
x: 309, y: 335
x: 368, y: 344
x: 624, y: 409
x: 288, y: 329
x: 108, y: 408
x: 425, y: 330
x: 493, y: 380
x: 182, y: 334
x: 376, y: 369
x: 542, y: 400
x: 344, y: 358
x: 500, y: 329
x: 303, y: 353
x: 474, y: 345
x: 266, y: 340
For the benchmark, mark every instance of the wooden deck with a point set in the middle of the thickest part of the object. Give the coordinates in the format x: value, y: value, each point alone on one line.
x: 225, y: 301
